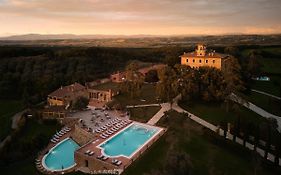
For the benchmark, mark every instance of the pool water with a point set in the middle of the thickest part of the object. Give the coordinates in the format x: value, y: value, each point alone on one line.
x: 61, y: 157
x: 128, y: 141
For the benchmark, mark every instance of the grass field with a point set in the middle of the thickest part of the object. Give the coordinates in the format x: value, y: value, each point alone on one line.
x: 143, y: 114
x: 7, y: 109
x: 147, y: 96
x: 215, y: 113
x: 209, y: 154
x: 271, y: 63
x: 271, y: 87
x: 269, y: 104
x: 31, y: 131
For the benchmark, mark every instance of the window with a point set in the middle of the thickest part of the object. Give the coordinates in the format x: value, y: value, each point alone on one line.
x: 193, y: 60
x: 187, y: 60
x: 86, y: 163
x: 206, y: 61
x: 214, y: 61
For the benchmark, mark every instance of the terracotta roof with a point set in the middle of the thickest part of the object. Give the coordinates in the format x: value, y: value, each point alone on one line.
x: 154, y: 67
x: 67, y: 90
x: 207, y: 55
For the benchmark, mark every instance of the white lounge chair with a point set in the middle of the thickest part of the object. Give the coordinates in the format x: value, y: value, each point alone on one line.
x: 91, y: 153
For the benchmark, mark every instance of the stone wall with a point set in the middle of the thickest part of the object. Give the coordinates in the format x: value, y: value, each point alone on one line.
x: 93, y: 163
x: 81, y: 136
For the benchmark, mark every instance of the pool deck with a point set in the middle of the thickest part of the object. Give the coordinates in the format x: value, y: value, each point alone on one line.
x: 126, y: 161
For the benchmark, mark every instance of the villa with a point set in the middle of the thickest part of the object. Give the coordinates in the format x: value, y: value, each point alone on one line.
x: 203, y: 57
x: 102, y: 91
x: 64, y: 96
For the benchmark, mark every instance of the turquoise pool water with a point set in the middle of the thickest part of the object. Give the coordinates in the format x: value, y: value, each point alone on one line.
x: 61, y: 156
x: 129, y: 140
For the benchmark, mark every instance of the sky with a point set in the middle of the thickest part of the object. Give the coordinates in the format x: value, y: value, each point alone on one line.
x: 131, y: 17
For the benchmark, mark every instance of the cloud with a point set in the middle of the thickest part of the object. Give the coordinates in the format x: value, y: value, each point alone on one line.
x: 135, y: 16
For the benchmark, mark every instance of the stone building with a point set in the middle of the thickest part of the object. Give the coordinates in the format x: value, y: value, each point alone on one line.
x: 122, y: 76
x: 203, y: 57
x: 101, y: 93
x: 64, y: 96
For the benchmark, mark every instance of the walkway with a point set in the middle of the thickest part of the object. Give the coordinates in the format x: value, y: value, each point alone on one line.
x: 174, y: 106
x: 164, y: 107
x: 264, y: 93
x: 141, y: 106
x: 212, y: 127
x: 256, y: 109
x: 16, y: 118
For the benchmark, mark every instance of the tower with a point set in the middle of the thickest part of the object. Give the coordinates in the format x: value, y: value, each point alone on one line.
x: 201, y: 50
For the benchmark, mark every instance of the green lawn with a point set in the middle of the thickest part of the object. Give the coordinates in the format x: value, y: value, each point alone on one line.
x: 147, y: 96
x: 143, y: 114
x: 215, y: 113
x: 7, y: 109
x: 209, y: 153
x: 271, y: 87
x: 271, y: 65
x: 32, y: 138
x: 108, y: 85
x: 269, y: 104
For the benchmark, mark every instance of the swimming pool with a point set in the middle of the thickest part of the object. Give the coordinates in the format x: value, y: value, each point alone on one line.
x: 61, y: 157
x: 128, y: 141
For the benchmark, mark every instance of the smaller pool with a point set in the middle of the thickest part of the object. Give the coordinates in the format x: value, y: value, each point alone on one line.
x: 61, y: 157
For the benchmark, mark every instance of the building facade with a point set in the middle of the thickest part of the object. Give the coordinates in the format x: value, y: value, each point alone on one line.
x: 64, y: 96
x: 202, y: 57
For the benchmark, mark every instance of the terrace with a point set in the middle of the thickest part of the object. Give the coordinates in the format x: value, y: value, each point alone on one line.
x: 92, y: 157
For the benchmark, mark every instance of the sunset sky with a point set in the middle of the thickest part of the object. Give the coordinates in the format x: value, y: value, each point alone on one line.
x: 129, y: 17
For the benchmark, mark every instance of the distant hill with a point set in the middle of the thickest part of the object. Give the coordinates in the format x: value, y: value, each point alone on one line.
x: 68, y: 36
x: 139, y: 41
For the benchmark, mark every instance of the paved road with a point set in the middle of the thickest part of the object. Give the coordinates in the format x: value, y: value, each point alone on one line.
x: 264, y: 93
x: 256, y: 109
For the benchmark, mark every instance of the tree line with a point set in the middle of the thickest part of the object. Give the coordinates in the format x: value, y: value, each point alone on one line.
x: 30, y: 73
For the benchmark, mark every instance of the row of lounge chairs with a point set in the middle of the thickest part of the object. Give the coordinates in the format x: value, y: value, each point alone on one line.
x: 102, y: 157
x: 109, y: 124
x: 89, y: 153
x: 40, y: 167
x: 116, y: 126
x: 116, y: 162
x: 58, y: 135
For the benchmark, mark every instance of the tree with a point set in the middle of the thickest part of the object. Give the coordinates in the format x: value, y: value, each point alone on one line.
x: 80, y: 103
x: 231, y: 50
x: 151, y: 76
x: 134, y: 80
x: 271, y: 124
x: 232, y: 77
x: 254, y: 66
x: 257, y: 137
x: 167, y: 87
x: 278, y: 149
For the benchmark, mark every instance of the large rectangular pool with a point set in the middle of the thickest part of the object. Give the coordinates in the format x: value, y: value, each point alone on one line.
x: 128, y: 141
